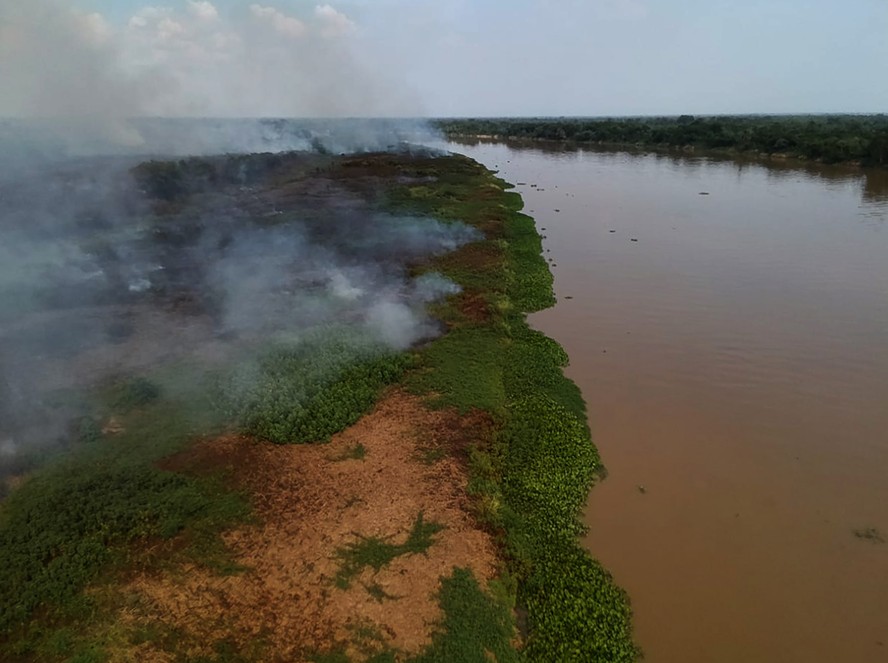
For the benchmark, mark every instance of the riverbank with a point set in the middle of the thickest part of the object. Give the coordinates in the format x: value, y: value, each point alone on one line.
x: 439, y: 523
x: 855, y: 140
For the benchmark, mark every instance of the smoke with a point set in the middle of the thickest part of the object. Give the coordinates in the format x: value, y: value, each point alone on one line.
x: 99, y: 279
x: 109, y: 268
x: 72, y: 84
x: 286, y: 278
x: 58, y: 62
x: 88, y: 78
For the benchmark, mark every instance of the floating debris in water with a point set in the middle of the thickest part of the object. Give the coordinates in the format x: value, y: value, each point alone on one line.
x: 870, y: 534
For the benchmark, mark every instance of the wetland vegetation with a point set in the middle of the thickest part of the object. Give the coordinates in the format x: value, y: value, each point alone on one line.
x: 127, y: 499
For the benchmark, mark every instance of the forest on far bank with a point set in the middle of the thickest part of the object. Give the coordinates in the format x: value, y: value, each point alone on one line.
x: 828, y: 138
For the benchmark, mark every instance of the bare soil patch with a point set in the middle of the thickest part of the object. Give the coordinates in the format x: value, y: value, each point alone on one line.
x: 313, y: 501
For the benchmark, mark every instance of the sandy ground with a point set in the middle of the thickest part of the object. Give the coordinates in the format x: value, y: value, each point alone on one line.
x: 310, y: 502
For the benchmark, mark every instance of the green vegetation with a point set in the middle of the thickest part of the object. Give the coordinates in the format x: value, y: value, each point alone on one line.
x: 531, y: 480
x: 92, y: 511
x: 462, y: 370
x: 96, y: 513
x: 376, y: 552
x: 828, y: 138
x: 369, y: 640
x: 309, y: 390
x: 476, y: 628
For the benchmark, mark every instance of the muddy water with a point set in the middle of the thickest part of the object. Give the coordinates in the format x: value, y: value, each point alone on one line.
x: 735, y: 363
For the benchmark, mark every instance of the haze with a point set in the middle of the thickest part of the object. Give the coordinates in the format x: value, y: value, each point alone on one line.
x: 442, y: 58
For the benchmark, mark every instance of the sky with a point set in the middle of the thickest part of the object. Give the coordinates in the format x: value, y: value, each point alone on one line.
x: 442, y: 58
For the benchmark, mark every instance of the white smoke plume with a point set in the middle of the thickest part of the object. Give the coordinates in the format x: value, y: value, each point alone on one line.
x: 92, y: 77
x: 94, y: 284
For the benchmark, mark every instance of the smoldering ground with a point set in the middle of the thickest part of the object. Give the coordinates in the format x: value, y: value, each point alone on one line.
x: 111, y: 270
x: 108, y: 271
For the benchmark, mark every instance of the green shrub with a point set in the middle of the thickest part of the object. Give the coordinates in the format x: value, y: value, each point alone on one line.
x: 56, y: 532
x: 476, y: 628
x: 306, y: 392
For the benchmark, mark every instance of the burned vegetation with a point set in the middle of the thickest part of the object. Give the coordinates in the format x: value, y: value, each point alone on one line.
x: 287, y: 407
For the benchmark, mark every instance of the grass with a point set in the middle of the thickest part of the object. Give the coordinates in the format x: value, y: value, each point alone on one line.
x: 462, y: 370
x: 367, y: 638
x: 87, y: 518
x: 307, y: 391
x: 91, y: 511
x: 375, y: 552
x: 531, y: 482
x: 126, y: 395
x: 476, y: 628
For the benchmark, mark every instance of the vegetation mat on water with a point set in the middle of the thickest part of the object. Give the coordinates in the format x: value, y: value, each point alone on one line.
x: 532, y: 479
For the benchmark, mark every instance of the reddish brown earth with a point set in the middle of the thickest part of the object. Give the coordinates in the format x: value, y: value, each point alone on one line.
x: 310, y: 502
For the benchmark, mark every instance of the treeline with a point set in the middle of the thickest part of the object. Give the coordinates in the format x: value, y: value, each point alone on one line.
x: 827, y: 138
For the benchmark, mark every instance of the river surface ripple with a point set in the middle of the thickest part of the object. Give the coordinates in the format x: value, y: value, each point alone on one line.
x: 727, y: 322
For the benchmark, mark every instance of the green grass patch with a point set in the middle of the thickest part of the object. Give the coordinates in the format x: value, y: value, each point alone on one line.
x: 310, y: 389
x: 84, y: 513
x: 376, y: 552
x: 476, y: 628
x: 335, y: 656
x: 463, y: 370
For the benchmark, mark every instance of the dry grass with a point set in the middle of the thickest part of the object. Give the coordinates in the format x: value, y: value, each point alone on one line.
x: 311, y: 505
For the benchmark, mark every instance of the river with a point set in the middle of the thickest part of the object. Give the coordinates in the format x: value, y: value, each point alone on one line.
x: 727, y: 322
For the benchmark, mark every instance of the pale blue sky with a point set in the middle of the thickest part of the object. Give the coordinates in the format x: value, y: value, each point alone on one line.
x: 602, y: 57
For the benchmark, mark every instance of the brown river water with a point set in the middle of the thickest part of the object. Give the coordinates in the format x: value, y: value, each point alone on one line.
x: 735, y: 364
